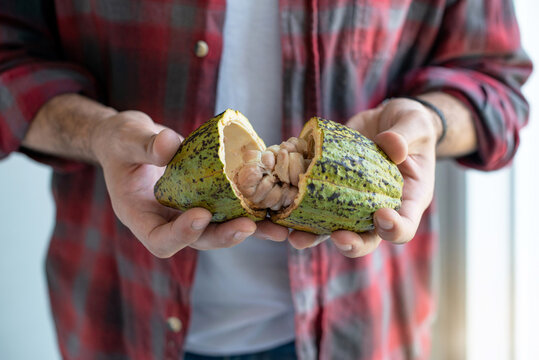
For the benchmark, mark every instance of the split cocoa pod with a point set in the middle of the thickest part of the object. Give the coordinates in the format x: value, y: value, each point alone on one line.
x: 329, y: 178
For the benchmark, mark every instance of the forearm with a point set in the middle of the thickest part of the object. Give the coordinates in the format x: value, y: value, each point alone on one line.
x: 460, y: 138
x: 65, y: 125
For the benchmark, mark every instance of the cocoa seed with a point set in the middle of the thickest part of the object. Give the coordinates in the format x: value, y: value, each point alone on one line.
x: 273, y: 198
x: 300, y: 144
x: 268, y: 160
x: 264, y: 187
x: 281, y: 166
x: 274, y: 149
x: 288, y: 146
x: 289, y: 194
x: 269, y: 179
x: 251, y: 156
x: 296, y: 167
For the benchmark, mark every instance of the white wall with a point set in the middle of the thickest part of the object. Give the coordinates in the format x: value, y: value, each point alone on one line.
x: 26, y: 220
x: 502, y: 242
x: 526, y: 190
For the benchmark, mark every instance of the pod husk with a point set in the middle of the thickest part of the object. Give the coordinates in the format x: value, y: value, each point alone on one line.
x: 197, y: 177
x: 349, y: 178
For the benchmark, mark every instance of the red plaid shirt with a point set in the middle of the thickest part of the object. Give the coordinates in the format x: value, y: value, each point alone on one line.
x: 110, y: 297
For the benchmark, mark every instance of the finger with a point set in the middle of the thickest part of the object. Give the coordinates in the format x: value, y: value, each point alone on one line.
x: 354, y: 245
x: 302, y: 240
x: 398, y: 227
x: 225, y: 235
x: 267, y: 230
x: 417, y: 194
x: 164, y: 239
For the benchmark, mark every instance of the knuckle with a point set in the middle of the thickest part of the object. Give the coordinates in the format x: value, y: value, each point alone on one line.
x: 226, y: 243
x: 164, y: 248
x: 351, y: 254
x: 187, y: 232
x: 399, y: 238
x: 354, y: 253
x: 278, y: 238
x: 161, y: 252
x: 358, y: 252
x: 420, y: 112
x: 231, y: 243
x: 222, y: 242
x: 135, y: 114
x: 387, y: 235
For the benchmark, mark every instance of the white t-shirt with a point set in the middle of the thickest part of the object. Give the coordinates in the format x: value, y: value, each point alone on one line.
x: 241, y: 300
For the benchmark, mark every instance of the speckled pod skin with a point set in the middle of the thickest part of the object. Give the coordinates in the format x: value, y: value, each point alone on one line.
x: 349, y: 179
x: 195, y: 176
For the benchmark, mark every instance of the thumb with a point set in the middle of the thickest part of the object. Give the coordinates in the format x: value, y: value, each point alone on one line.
x: 147, y: 141
x: 132, y: 138
x: 161, y: 147
x: 409, y: 135
x: 393, y: 144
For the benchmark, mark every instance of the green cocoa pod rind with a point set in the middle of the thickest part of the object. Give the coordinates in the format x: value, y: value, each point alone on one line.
x: 349, y: 179
x: 196, y: 177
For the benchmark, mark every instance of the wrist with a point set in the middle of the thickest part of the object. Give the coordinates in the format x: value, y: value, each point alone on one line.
x: 99, y: 135
x: 64, y: 127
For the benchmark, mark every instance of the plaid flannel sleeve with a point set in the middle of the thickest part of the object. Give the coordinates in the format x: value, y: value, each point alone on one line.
x: 478, y: 59
x: 31, y: 71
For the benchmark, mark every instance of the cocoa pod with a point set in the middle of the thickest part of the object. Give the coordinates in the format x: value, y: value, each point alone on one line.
x: 345, y: 177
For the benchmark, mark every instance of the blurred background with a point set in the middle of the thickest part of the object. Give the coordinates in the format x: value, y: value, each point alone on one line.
x: 487, y: 278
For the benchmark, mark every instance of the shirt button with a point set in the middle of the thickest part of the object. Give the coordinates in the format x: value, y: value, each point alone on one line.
x: 201, y: 49
x: 174, y: 324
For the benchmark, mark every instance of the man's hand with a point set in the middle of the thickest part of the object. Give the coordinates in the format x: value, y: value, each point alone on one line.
x: 407, y: 132
x: 133, y: 151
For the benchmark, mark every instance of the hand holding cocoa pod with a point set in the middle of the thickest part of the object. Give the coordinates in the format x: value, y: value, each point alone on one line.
x: 329, y: 178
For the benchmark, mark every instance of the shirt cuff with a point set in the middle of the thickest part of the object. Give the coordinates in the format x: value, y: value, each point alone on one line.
x: 24, y: 89
x: 492, y: 105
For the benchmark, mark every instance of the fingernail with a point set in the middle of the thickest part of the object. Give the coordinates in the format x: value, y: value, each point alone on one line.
x: 199, y: 224
x: 343, y: 247
x: 384, y: 224
x: 240, y: 236
x: 319, y: 239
